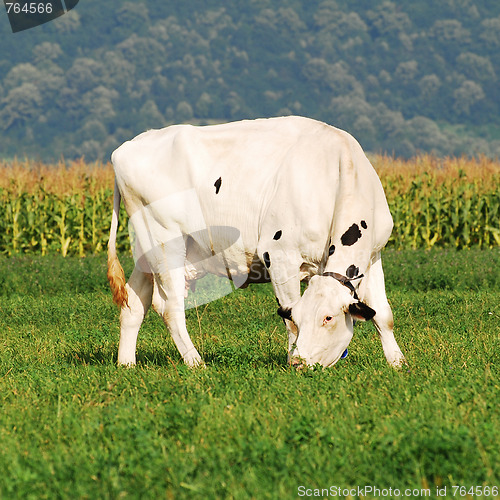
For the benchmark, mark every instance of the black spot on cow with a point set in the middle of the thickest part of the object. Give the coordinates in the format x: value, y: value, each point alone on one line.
x: 217, y: 185
x: 363, y: 224
x: 361, y: 311
x: 352, y: 271
x: 285, y: 313
x: 331, y: 250
x: 267, y: 260
x: 351, y: 236
x: 277, y: 235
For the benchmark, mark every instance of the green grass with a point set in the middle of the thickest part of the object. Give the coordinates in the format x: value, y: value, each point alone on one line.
x: 74, y: 425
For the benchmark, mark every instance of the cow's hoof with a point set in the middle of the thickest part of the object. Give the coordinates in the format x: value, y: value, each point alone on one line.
x: 196, y: 363
x: 399, y: 363
x: 126, y: 364
x: 200, y: 366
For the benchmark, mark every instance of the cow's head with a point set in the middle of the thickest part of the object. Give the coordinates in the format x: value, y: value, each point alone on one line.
x: 323, y: 318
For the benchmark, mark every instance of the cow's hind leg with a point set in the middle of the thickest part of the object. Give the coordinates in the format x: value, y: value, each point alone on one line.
x: 372, y: 292
x: 168, y: 302
x: 139, y: 290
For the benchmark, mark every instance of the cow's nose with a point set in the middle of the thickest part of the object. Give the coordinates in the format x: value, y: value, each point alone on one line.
x: 298, y: 363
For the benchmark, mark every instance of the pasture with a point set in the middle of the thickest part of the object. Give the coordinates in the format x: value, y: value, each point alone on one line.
x: 74, y: 425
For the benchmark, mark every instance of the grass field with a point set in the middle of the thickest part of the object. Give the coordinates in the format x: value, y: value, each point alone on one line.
x: 74, y: 425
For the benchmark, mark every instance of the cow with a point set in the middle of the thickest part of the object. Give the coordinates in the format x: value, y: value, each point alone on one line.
x: 282, y: 199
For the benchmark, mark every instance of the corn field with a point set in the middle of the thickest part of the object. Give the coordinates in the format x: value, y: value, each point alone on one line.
x: 436, y: 202
x: 66, y: 208
x: 63, y: 208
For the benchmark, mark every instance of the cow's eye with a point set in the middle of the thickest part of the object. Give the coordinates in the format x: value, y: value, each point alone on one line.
x: 327, y: 319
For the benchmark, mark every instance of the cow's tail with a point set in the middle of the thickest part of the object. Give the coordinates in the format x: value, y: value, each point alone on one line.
x: 116, y: 276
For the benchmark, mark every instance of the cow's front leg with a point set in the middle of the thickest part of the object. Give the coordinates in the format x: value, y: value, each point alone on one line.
x: 284, y: 270
x: 168, y: 302
x: 286, y: 294
x: 372, y: 291
x: 139, y: 290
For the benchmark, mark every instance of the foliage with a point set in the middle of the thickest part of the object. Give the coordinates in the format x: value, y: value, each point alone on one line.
x: 442, y: 202
x: 248, y: 426
x: 66, y: 208
x: 402, y: 77
x: 56, y: 208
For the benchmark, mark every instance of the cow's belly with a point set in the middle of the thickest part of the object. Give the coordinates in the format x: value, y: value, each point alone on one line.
x: 225, y: 251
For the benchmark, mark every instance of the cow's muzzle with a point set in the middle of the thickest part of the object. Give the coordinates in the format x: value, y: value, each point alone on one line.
x: 298, y: 363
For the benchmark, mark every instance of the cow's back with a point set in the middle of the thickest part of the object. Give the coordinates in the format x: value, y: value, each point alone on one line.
x: 254, y: 175
x: 235, y: 168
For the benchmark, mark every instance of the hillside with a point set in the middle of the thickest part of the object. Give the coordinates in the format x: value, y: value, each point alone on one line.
x: 401, y: 77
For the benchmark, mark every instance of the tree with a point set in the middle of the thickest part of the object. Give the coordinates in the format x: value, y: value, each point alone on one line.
x: 141, y: 51
x: 67, y: 24
x: 204, y: 105
x: 335, y: 77
x: 425, y: 135
x: 450, y: 36
x: 388, y: 21
x: 407, y: 71
x: 184, y: 112
x: 344, y: 111
x: 92, y: 130
x: 20, y: 74
x: 84, y: 74
x: 21, y: 106
x: 326, y: 14
x: 132, y: 17
x: 468, y: 94
x: 91, y: 150
x: 150, y: 117
x: 98, y: 103
x: 50, y: 82
x: 490, y: 32
x: 46, y: 51
x: 429, y: 85
x: 476, y: 67
x: 118, y: 72
x: 371, y: 68
x: 450, y: 31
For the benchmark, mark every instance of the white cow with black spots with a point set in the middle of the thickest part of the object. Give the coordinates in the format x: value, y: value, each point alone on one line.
x: 280, y: 199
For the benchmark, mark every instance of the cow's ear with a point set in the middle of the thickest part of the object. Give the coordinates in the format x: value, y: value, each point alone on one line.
x: 285, y: 313
x: 361, y: 311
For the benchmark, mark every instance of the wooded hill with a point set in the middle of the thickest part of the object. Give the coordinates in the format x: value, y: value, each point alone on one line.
x: 402, y: 77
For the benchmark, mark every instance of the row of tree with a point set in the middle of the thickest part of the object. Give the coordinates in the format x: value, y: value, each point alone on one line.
x: 401, y: 77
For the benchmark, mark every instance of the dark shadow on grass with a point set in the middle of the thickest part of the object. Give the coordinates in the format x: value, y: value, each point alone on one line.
x: 223, y: 357
x: 230, y: 357
x: 109, y: 356
x: 93, y: 356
